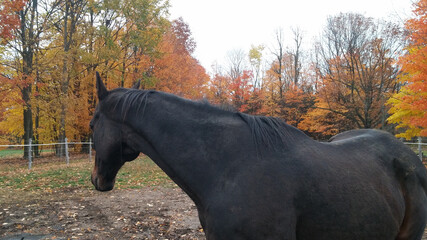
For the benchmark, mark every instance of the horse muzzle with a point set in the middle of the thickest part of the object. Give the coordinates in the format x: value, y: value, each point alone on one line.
x: 100, y: 184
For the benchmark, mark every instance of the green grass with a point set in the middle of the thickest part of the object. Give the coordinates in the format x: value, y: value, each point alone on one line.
x: 11, y: 153
x: 57, y: 175
x: 18, y: 153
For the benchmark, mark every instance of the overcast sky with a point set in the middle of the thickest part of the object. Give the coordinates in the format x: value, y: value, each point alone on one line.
x: 221, y: 26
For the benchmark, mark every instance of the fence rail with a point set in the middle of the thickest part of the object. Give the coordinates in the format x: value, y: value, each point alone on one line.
x: 45, y: 144
x: 30, y: 146
x: 420, y: 145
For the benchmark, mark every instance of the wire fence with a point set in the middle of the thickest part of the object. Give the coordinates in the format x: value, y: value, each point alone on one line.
x: 420, y: 147
x: 46, y: 149
x: 52, y: 148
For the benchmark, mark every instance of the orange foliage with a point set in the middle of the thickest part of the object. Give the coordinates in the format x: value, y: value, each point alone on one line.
x: 321, y: 123
x: 238, y: 93
x: 219, y: 93
x: 11, y: 107
x: 409, y: 106
x: 177, y: 71
x: 9, y: 19
x: 241, y: 91
x: 284, y: 98
x: 297, y: 103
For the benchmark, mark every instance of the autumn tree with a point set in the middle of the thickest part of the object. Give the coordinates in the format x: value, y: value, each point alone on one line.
x: 51, y: 59
x: 296, y: 53
x: 236, y: 63
x: 276, y: 69
x: 321, y: 123
x: 9, y: 23
x: 176, y: 71
x: 73, y: 11
x: 288, y: 62
x: 219, y: 92
x: 240, y: 90
x: 286, y: 91
x: 409, y: 106
x: 255, y: 60
x: 9, y: 19
x: 144, y: 30
x: 22, y: 46
x: 27, y: 43
x: 357, y: 68
x: 118, y: 39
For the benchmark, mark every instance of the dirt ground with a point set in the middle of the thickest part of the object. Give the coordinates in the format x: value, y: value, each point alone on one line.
x: 148, y: 213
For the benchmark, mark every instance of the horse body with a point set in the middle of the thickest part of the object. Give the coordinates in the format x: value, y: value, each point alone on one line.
x: 259, y: 178
x: 308, y: 194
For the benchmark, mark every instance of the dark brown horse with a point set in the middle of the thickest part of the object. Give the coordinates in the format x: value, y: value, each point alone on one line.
x: 254, y: 177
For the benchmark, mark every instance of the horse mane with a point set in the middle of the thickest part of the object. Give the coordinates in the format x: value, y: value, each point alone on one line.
x: 123, y: 100
x: 271, y: 133
x: 268, y: 132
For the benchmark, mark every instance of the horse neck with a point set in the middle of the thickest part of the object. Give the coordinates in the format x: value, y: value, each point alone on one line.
x: 186, y: 140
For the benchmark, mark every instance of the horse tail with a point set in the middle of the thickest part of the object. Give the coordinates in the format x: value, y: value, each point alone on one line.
x: 412, y: 177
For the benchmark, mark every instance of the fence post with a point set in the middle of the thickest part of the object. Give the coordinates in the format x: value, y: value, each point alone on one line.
x: 420, y: 149
x: 30, y: 163
x: 67, y: 158
x: 90, y: 149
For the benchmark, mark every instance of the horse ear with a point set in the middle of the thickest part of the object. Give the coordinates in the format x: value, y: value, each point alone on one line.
x: 137, y: 84
x: 100, y: 87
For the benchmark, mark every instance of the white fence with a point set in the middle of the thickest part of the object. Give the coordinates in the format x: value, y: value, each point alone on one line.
x: 30, y: 146
x: 420, y: 145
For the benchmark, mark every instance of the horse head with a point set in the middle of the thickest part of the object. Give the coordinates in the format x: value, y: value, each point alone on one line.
x: 109, y: 142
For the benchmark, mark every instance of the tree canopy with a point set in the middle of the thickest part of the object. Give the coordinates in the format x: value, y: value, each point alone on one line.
x: 353, y: 77
x: 409, y: 106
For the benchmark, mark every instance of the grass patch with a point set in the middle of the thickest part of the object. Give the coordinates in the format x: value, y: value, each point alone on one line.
x: 11, y: 153
x: 57, y: 175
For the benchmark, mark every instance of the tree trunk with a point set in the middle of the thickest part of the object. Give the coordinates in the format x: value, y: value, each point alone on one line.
x: 27, y: 53
x: 28, y: 118
x: 65, y: 79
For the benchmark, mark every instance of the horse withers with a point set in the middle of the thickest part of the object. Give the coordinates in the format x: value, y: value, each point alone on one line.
x: 255, y: 177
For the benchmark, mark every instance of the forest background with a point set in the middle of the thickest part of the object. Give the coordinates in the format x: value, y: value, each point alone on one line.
x: 360, y: 73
